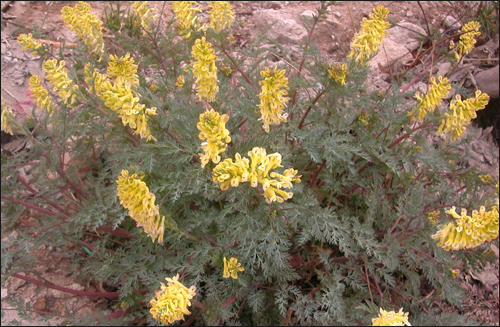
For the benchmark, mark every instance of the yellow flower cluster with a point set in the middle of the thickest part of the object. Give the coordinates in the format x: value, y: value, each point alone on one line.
x: 134, y: 196
x: 257, y: 170
x: 28, y: 42
x: 179, y: 82
x: 232, y: 268
x: 7, y: 117
x: 272, y: 97
x: 221, y: 15
x: 86, y: 25
x: 123, y: 67
x: 467, y: 40
x: 172, y: 301
x: 469, y: 231
x: 204, y: 70
x: 57, y: 75
x: 391, y: 318
x: 119, y: 96
x: 186, y: 17
x: 41, y: 95
x: 433, y: 98
x: 213, y: 131
x: 338, y: 73
x: 432, y: 216
x: 461, y: 113
x: 366, y: 42
x: 142, y: 14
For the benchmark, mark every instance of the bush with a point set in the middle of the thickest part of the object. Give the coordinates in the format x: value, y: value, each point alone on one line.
x: 264, y: 194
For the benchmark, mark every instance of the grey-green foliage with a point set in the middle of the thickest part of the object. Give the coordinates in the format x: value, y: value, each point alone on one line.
x: 306, y: 260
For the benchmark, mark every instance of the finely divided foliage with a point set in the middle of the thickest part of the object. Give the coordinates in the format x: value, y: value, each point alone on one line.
x: 276, y: 201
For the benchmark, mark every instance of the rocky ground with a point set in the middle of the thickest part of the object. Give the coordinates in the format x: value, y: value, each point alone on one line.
x: 411, y: 24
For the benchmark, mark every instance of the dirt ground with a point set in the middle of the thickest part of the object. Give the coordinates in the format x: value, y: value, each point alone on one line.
x: 482, y: 302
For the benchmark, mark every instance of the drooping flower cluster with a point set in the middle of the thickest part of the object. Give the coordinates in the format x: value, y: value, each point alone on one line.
x: 57, y: 75
x: 391, y: 318
x: 467, y: 40
x: 171, y: 302
x: 134, y: 196
x: 123, y: 67
x: 119, y: 96
x: 433, y: 98
x: 213, y: 131
x: 232, y: 268
x: 366, y: 42
x: 40, y: 94
x: 257, y: 170
x: 86, y: 25
x: 28, y: 42
x: 338, y: 73
x: 142, y: 15
x: 204, y: 70
x: 186, y: 17
x: 461, y: 114
x: 272, y: 97
x: 221, y: 15
x: 7, y: 117
x: 469, y: 231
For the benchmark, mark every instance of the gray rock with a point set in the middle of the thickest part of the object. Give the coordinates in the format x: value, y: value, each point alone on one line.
x: 406, y: 34
x: 389, y: 53
x: 451, y: 22
x: 487, y: 81
x: 285, y: 29
x: 308, y: 16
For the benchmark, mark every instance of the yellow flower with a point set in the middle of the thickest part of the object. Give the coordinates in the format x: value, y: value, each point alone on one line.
x: 180, y: 81
x: 87, y: 26
x: 94, y: 79
x: 7, y: 117
x: 41, y: 95
x: 204, y: 70
x: 232, y: 268
x: 272, y: 97
x: 123, y: 67
x: 461, y: 114
x: 363, y: 117
x: 433, y: 98
x: 119, y: 96
x: 366, y: 42
x: 221, y: 15
x: 467, y: 40
x: 134, y: 196
x: 469, y: 231
x: 231, y: 173
x: 432, y: 216
x: 338, y: 73
x: 455, y: 273
x: 186, y: 17
x: 212, y: 128
x: 142, y: 15
x: 57, y: 75
x: 28, y: 42
x: 257, y: 170
x: 391, y: 318
x: 486, y: 179
x: 172, y: 301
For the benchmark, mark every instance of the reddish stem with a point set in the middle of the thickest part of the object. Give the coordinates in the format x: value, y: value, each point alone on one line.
x: 32, y: 206
x: 116, y: 232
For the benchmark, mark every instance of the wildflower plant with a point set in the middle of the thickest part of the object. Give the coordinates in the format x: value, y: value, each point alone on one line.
x: 281, y: 193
